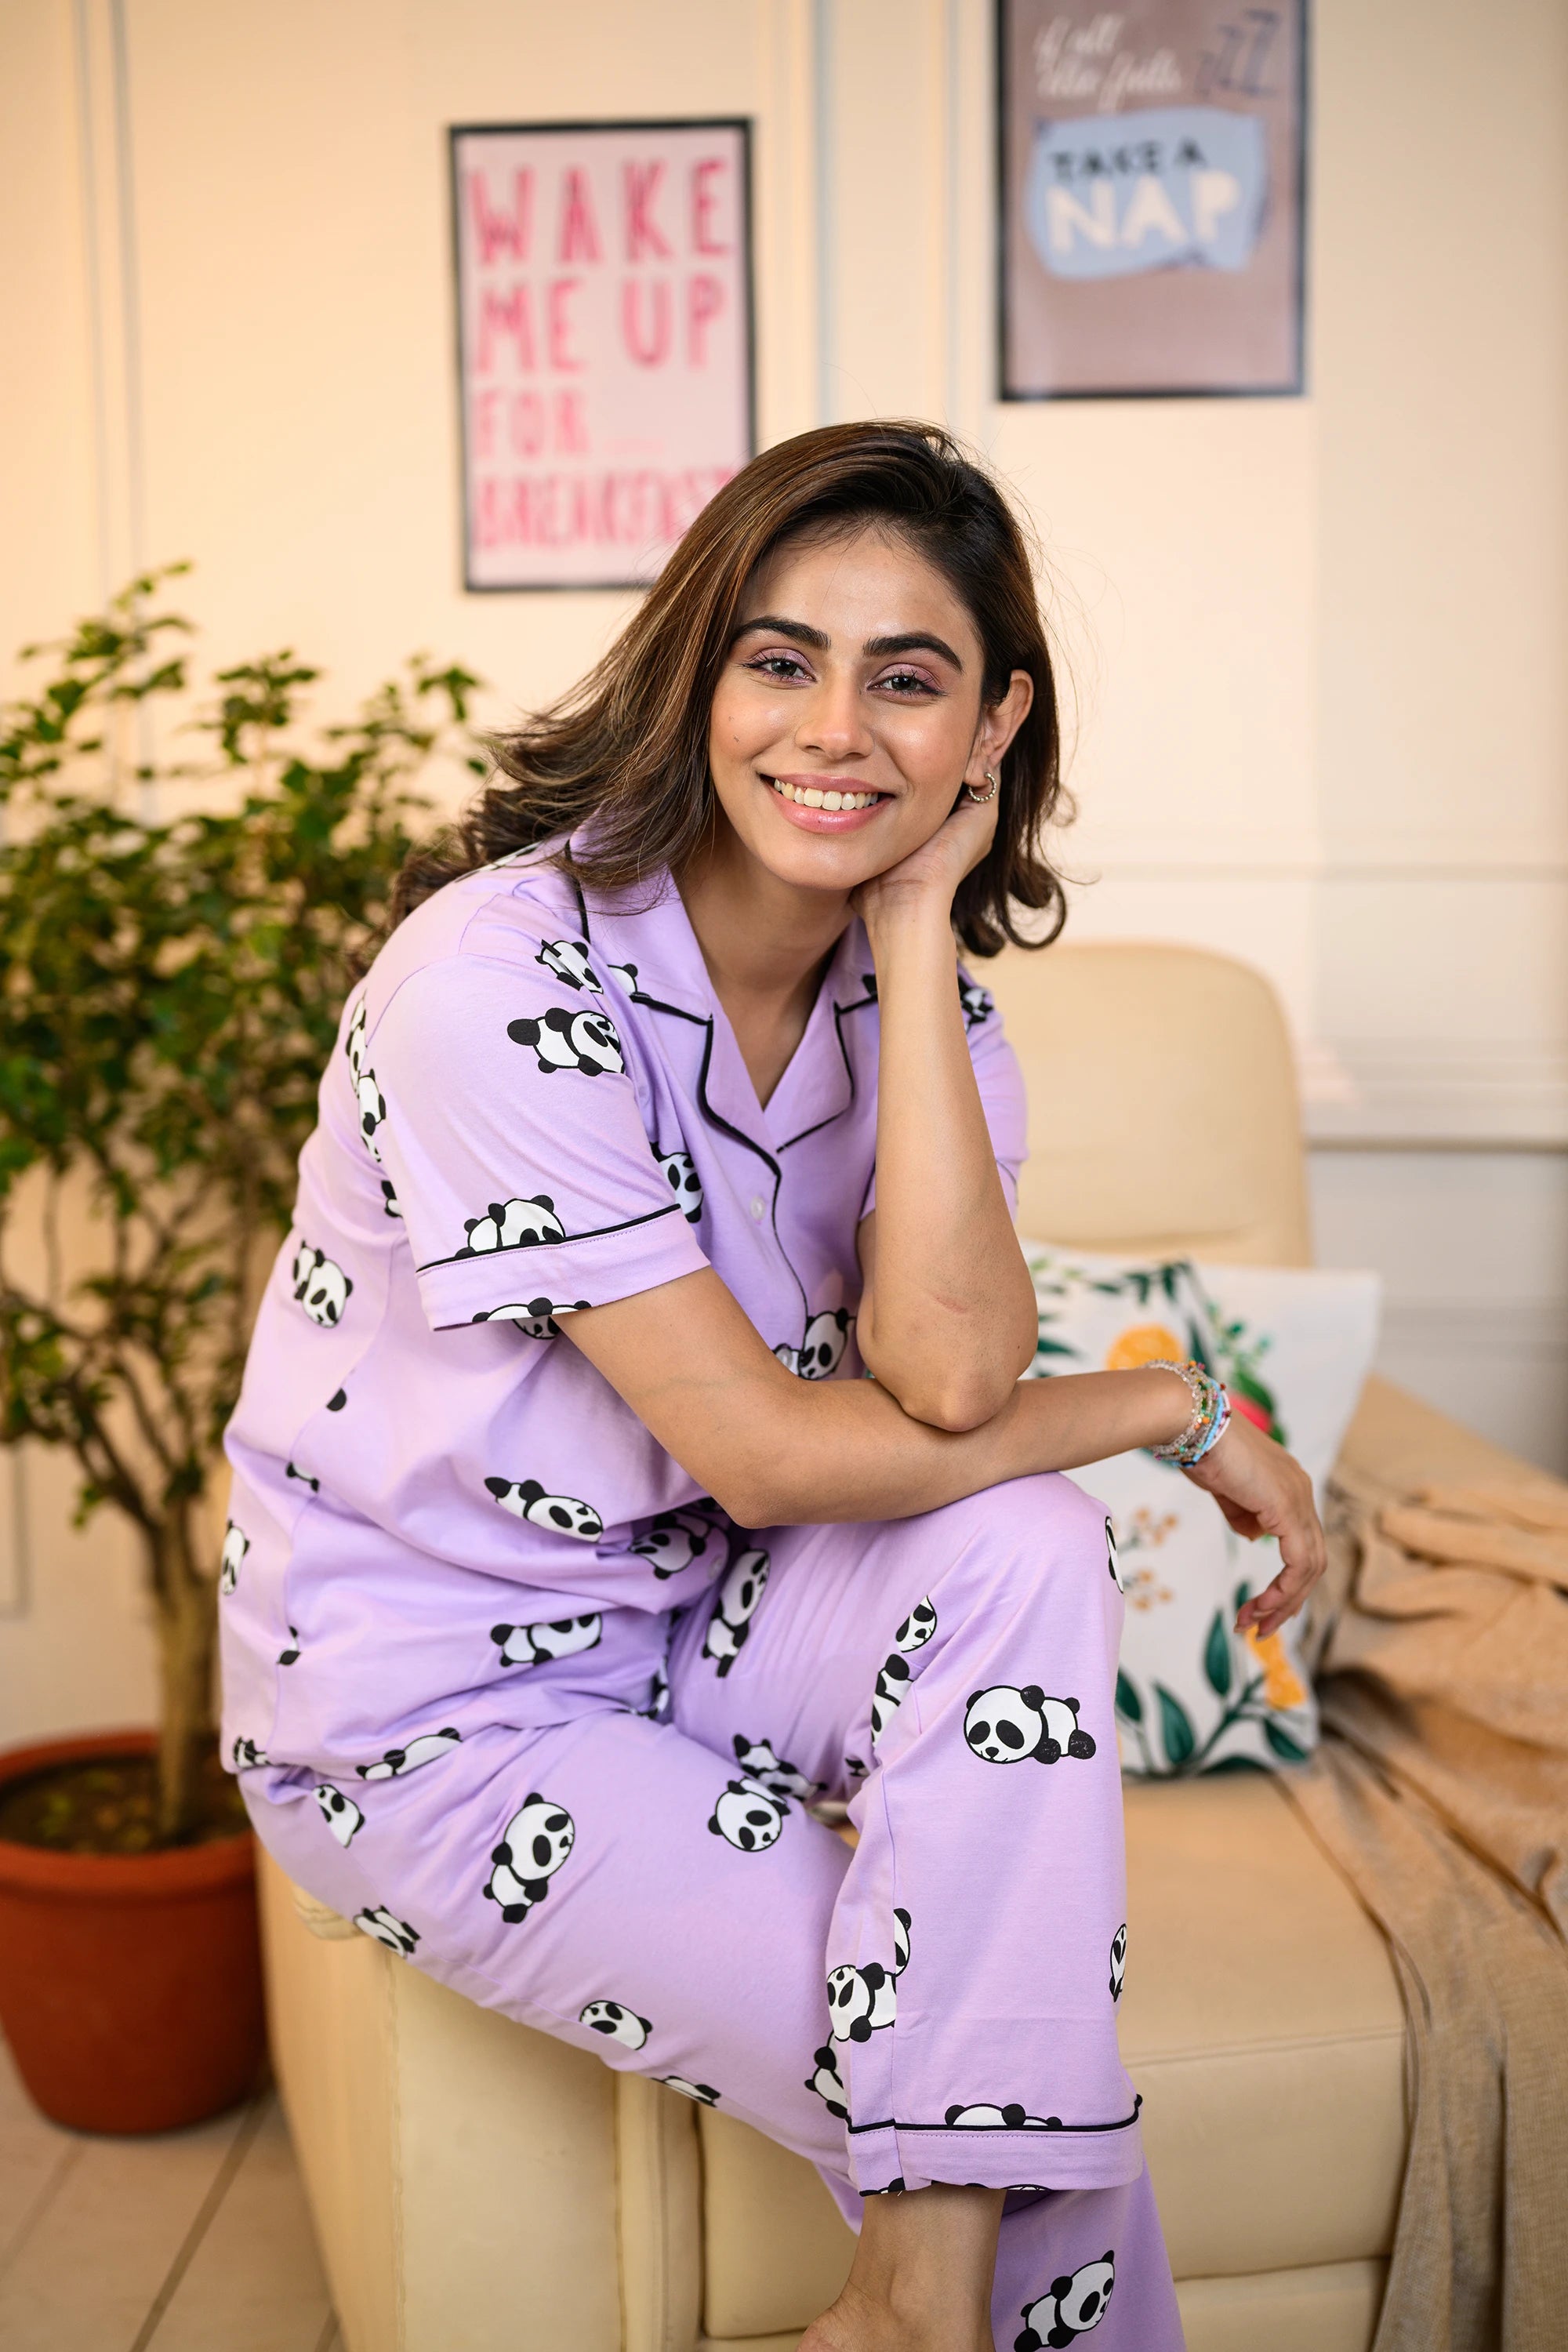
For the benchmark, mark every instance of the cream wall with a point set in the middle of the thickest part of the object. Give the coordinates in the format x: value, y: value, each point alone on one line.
x: 1315, y: 643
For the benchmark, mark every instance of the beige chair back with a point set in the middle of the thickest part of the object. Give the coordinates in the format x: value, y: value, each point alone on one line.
x: 1162, y: 1108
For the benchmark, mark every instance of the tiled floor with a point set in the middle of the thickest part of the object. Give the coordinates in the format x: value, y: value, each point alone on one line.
x: 193, y: 2241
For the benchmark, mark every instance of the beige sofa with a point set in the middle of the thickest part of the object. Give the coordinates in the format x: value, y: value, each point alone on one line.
x: 480, y: 2188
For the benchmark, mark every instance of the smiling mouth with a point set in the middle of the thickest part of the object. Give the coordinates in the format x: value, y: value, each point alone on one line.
x: 814, y: 796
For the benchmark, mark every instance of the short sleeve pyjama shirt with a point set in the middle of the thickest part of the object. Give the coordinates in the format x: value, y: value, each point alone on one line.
x: 532, y: 1108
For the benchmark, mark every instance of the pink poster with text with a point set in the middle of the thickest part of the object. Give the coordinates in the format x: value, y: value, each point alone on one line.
x: 605, y: 332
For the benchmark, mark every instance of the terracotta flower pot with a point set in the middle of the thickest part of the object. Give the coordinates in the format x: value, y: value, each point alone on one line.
x: 129, y: 1985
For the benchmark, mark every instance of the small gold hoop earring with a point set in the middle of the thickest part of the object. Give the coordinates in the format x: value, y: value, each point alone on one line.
x: 981, y: 799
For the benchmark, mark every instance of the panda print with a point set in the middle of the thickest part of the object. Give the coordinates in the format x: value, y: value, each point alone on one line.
x: 673, y: 1540
x: 341, y: 1814
x: 568, y: 960
x: 535, y: 1318
x: 368, y: 1096
x: 657, y: 1707
x: 854, y: 1770
x: 1004, y: 1726
x: 512, y: 1224
x: 337, y: 1401
x: 1113, y: 1557
x: 861, y: 2001
x: 748, y: 1816
x: 390, y: 1204
x: 917, y: 1628
x: 536, y: 1841
x: 1072, y: 2307
x: 231, y: 1559
x: 978, y: 1004
x: 680, y: 1173
x: 821, y: 1352
x: 1118, y: 1960
x: 828, y: 2083
x: 533, y: 1646
x: 626, y: 976
x: 292, y: 1470
x: 615, y: 2022
x: 290, y: 1657
x: 703, y: 2093
x: 247, y: 1755
x: 758, y: 1761
x: 740, y: 1592
x: 379, y: 1924
x: 525, y: 1498
x: 425, y: 1749
x: 560, y: 1040
x: 887, y: 1695
x: 321, y: 1285
x: 1011, y: 2117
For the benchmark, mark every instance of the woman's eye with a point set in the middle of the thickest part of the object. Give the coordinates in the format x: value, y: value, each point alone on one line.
x: 907, y: 681
x: 777, y: 666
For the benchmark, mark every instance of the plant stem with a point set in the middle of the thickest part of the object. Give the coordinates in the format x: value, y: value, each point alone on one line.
x: 187, y: 1627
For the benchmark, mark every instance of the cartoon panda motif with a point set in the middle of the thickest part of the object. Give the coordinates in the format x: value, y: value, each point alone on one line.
x: 855, y: 1769
x: 372, y: 1105
x: 292, y: 1470
x: 355, y: 1040
x: 821, y: 1352
x: 1118, y: 1961
x: 536, y: 1841
x: 525, y: 1498
x: 1113, y: 1557
x: 1073, y: 2306
x: 862, y: 2001
x: 512, y: 1224
x: 424, y: 1750
x: 568, y: 960
x: 571, y: 1041
x: 626, y: 975
x: 535, y: 1318
x: 748, y: 1816
x: 680, y: 1171
x: 758, y: 1760
x: 231, y: 1559
x: 561, y: 1637
x: 246, y: 1755
x: 1004, y: 1726
x: 321, y: 1285
x: 380, y: 1925
x: 615, y: 2022
x: 741, y: 1590
x: 673, y: 1540
x: 1012, y: 2117
x: 703, y: 2093
x: 828, y: 2083
x: 978, y: 1003
x: 390, y: 1204
x: 337, y: 1401
x: 657, y: 1707
x: 341, y: 1814
x: 888, y: 1694
x: 290, y: 1657
x: 917, y: 1628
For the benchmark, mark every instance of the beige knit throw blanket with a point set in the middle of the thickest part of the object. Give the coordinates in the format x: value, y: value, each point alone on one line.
x: 1441, y: 1790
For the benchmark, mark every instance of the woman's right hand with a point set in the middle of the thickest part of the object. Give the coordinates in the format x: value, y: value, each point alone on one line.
x: 1264, y: 1491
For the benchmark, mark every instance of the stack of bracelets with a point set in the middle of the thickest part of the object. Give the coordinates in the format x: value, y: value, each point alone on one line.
x: 1211, y: 1414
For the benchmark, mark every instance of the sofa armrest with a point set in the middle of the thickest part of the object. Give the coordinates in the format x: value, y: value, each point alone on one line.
x: 1398, y: 1444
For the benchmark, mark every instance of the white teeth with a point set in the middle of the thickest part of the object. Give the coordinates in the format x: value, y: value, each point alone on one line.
x: 808, y: 796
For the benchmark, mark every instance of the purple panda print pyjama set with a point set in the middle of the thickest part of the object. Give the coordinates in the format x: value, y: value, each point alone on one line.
x: 504, y: 1688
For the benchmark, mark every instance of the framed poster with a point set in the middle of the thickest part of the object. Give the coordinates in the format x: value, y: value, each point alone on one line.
x: 1151, y: 193
x: 604, y: 285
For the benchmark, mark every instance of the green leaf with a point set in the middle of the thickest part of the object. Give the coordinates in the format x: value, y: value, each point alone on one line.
x: 1216, y: 1655
x: 1043, y: 1347
x: 1195, y: 1348
x: 1288, y: 1750
x: 1243, y: 1595
x: 1128, y: 1702
x: 1236, y: 1764
x: 1175, y: 1727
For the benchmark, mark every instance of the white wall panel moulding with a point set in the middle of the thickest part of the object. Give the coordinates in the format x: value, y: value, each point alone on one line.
x: 1505, y: 1094
x: 1536, y: 1328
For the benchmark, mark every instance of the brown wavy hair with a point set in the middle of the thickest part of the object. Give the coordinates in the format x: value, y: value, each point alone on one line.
x: 628, y: 745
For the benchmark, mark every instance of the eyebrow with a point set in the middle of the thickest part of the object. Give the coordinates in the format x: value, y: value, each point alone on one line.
x: 914, y: 641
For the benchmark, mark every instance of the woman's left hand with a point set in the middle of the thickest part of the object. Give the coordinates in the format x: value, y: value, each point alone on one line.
x: 933, y: 871
x: 1263, y: 1491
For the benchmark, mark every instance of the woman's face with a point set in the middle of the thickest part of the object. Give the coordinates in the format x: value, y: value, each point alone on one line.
x: 847, y: 714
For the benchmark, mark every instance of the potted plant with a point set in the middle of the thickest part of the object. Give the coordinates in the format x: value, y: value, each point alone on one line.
x: 175, y: 942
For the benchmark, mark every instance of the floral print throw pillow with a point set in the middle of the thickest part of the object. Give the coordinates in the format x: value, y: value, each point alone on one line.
x: 1292, y: 1349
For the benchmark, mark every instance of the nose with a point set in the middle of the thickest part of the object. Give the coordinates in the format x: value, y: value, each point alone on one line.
x: 834, y: 723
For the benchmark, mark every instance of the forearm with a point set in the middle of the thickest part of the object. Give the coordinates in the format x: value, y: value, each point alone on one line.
x: 947, y: 1321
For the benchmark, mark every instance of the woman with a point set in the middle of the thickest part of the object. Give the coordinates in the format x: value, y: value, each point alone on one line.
x: 572, y: 1557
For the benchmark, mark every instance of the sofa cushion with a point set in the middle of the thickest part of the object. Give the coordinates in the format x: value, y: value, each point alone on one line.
x: 1261, y: 2022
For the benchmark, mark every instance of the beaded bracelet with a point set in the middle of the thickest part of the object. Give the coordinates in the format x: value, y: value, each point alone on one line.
x: 1211, y: 1414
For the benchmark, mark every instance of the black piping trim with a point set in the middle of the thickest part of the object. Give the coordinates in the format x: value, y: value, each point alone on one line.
x: 857, y: 1005
x: 509, y: 1249
x: 1003, y: 2131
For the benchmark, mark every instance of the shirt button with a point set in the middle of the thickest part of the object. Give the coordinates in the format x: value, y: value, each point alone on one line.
x: 759, y: 1207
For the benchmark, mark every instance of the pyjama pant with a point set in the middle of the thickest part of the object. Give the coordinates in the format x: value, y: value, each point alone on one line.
x: 937, y: 2003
